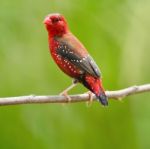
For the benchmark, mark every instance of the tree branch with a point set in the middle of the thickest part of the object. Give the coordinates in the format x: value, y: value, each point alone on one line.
x: 118, y: 95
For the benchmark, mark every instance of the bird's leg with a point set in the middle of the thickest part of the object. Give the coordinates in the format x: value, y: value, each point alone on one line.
x: 65, y: 92
x: 89, y: 103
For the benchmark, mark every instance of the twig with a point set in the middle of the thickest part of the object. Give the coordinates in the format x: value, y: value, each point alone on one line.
x: 118, y: 94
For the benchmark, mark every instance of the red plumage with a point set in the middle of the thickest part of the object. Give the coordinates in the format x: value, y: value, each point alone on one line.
x: 72, y: 57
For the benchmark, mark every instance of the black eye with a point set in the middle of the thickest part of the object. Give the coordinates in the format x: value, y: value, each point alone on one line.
x: 54, y: 20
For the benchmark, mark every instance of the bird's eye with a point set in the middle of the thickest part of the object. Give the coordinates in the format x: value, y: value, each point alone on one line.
x: 54, y: 20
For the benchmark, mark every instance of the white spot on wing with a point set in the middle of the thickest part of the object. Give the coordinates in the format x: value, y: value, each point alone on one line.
x: 91, y: 61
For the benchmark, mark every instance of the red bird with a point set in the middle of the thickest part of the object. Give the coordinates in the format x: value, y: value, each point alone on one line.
x: 72, y: 57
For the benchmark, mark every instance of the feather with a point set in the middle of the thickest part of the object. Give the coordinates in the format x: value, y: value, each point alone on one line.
x: 84, y: 62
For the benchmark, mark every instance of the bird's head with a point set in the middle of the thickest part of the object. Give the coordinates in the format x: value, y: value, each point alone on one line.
x: 56, y: 24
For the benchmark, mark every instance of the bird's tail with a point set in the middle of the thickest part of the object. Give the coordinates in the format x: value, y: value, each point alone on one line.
x: 95, y: 85
x: 102, y: 98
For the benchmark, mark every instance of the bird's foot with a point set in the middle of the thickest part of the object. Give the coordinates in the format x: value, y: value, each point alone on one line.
x: 74, y: 83
x: 89, y: 103
x: 64, y: 93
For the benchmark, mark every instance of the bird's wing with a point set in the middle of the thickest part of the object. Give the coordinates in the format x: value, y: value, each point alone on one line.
x: 84, y: 62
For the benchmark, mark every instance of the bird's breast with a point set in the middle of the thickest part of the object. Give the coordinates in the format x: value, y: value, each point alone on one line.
x: 65, y: 65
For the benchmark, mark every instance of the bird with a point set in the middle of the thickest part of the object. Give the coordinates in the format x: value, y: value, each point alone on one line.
x: 72, y: 57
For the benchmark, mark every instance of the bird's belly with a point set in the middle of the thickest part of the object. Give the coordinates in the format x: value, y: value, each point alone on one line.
x: 67, y: 67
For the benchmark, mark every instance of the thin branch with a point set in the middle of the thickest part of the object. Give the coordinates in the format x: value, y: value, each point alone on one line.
x: 118, y: 94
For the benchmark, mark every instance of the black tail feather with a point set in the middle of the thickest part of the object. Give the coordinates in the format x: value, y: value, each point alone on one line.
x: 103, y: 99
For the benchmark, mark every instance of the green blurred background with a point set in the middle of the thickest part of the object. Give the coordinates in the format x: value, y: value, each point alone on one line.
x: 116, y: 33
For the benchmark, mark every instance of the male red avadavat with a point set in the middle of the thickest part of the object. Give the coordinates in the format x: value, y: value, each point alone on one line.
x: 72, y: 57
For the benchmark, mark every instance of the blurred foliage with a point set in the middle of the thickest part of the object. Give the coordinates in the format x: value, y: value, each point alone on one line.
x: 116, y: 33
